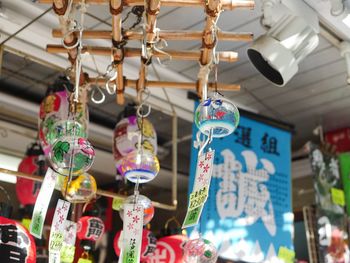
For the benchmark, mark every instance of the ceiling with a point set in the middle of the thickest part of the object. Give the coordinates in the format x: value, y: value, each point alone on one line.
x: 317, y: 95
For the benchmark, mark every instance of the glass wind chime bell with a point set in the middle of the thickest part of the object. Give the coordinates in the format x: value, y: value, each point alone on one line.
x: 71, y: 152
x: 200, y: 251
x: 81, y: 189
x: 66, y: 144
x: 140, y: 165
x: 218, y: 115
x: 126, y: 135
x: 148, y: 208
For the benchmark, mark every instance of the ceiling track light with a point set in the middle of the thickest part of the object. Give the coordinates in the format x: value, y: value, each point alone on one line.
x: 292, y: 35
x: 337, y: 7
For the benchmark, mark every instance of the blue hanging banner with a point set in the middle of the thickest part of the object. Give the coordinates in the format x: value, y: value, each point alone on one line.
x: 248, y: 213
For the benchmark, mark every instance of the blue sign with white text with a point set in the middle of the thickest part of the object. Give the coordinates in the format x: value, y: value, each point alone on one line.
x: 248, y: 214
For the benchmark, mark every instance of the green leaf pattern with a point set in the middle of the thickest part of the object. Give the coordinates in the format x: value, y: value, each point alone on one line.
x: 60, y: 148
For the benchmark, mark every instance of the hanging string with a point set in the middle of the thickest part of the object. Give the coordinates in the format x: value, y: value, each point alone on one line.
x: 74, y: 103
x: 141, y: 115
x: 216, y: 78
x: 80, y: 48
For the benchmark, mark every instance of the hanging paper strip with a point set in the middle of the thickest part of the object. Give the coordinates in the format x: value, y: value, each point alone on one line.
x: 132, y: 233
x: 42, y: 203
x: 200, y: 191
x: 68, y: 248
x: 57, y: 232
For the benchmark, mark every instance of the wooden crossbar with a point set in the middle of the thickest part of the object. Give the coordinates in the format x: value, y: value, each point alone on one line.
x: 224, y: 56
x: 172, y: 35
x: 226, y: 4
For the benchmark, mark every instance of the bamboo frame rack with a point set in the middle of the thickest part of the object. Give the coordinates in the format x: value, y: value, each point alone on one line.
x: 149, y: 37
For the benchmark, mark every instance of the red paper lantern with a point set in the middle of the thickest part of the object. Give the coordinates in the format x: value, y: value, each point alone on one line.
x: 169, y: 249
x: 148, y: 244
x: 340, y: 138
x: 34, y: 163
x: 90, y: 228
x: 16, y: 244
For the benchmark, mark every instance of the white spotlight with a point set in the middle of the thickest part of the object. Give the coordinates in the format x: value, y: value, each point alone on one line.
x: 291, y: 37
x: 337, y: 7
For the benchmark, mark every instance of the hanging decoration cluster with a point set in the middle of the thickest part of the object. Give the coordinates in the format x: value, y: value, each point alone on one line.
x: 64, y: 119
x: 63, y: 126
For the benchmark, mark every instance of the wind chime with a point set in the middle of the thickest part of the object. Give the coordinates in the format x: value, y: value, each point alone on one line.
x: 71, y: 153
x: 138, y: 166
x: 215, y: 117
x: 64, y: 139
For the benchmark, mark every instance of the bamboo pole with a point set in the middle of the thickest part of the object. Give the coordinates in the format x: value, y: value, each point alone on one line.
x: 170, y: 84
x: 226, y: 4
x: 1, y: 57
x: 99, y: 192
x: 70, y: 39
x: 209, y: 41
x: 174, y: 35
x: 152, y: 10
x: 116, y: 8
x: 224, y: 56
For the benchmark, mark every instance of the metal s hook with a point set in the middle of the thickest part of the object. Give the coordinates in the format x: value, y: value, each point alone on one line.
x: 111, y: 90
x: 76, y: 44
x: 162, y: 43
x: 93, y: 93
x: 111, y: 86
x: 140, y: 112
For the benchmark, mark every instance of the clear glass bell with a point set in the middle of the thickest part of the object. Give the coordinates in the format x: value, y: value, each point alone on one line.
x: 71, y: 155
x: 140, y: 165
x: 81, y: 189
x: 65, y: 128
x: 218, y: 114
x: 200, y: 251
x: 148, y: 208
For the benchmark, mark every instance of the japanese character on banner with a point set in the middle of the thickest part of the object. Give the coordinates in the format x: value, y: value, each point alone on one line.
x: 132, y: 233
x: 238, y: 191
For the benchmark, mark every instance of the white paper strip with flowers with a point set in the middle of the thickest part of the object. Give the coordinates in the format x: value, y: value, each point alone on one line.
x: 42, y: 203
x: 132, y: 233
x: 57, y: 232
x: 68, y: 247
x: 200, y: 191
